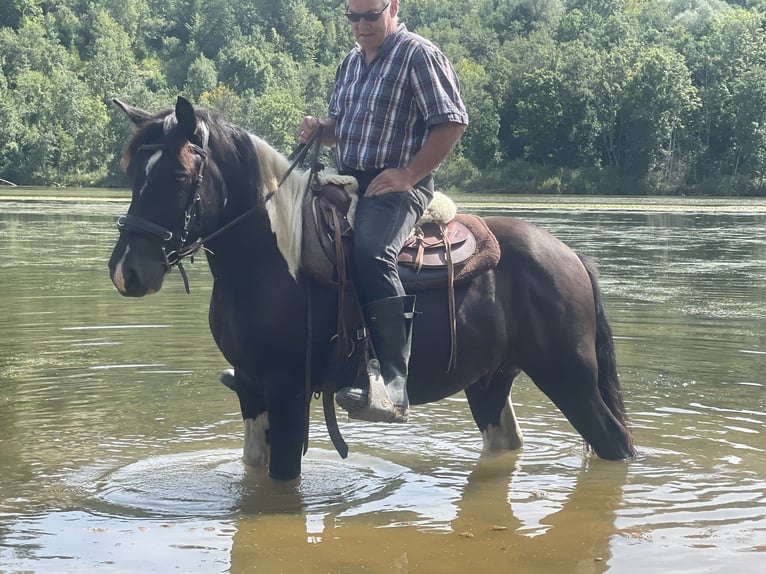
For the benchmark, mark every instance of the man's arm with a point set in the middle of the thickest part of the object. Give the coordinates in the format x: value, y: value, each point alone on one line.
x: 440, y: 142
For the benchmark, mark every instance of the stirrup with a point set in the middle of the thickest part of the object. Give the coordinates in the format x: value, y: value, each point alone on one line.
x: 373, y: 404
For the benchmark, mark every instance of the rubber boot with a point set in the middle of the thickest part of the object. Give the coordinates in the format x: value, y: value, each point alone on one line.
x: 390, y: 325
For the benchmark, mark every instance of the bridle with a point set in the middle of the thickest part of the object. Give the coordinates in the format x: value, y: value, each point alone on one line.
x: 141, y: 226
x: 175, y: 257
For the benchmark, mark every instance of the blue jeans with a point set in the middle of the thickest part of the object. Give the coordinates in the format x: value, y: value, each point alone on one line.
x: 381, y: 227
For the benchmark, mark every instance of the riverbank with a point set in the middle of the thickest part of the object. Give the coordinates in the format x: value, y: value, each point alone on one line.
x: 469, y: 201
x: 23, y: 193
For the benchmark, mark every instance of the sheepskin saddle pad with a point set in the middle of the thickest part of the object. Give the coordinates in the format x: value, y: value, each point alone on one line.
x: 328, y: 224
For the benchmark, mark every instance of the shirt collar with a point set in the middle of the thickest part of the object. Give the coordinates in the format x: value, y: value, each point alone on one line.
x: 388, y: 43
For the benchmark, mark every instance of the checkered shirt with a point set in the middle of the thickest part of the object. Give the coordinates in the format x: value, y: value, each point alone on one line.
x: 384, y: 110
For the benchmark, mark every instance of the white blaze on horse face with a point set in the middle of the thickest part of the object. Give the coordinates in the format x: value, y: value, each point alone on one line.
x: 256, y: 451
x: 149, y: 166
x: 505, y: 436
x: 118, y: 277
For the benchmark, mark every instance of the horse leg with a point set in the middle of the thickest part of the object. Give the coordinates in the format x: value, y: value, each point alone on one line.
x: 288, y: 417
x: 255, y: 452
x: 581, y: 379
x: 274, y: 424
x: 492, y: 409
x: 572, y: 385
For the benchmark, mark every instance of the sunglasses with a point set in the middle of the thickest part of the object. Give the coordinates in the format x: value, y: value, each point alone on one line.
x: 371, y: 16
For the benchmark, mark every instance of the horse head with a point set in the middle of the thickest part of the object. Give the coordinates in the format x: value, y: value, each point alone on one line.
x: 174, y: 194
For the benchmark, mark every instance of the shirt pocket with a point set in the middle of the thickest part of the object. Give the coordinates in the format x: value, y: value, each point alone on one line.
x: 383, y: 94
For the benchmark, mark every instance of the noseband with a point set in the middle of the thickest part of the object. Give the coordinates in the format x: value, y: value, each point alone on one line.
x: 141, y: 226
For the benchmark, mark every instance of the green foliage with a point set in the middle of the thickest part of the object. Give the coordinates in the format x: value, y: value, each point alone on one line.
x: 52, y: 122
x: 13, y: 12
x: 480, y: 144
x: 564, y: 96
x: 202, y: 77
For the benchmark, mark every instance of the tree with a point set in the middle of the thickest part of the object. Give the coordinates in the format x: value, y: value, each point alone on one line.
x: 480, y: 143
x: 663, y: 93
x: 273, y: 116
x: 729, y: 68
x: 656, y: 103
x: 202, y: 77
x: 223, y: 101
x: 243, y: 64
x: 111, y: 67
x: 13, y: 12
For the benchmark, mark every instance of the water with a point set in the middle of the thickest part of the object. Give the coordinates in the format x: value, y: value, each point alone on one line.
x: 119, y: 450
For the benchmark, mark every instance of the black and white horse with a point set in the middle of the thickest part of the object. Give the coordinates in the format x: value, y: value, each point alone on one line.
x: 538, y: 311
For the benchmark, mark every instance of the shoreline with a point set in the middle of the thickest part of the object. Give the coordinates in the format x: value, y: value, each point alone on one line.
x: 470, y: 201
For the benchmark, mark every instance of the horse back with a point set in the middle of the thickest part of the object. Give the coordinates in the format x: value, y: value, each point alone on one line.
x: 530, y: 252
x: 546, y: 286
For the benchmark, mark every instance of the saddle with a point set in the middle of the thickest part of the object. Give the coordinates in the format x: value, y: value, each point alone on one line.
x: 444, y: 248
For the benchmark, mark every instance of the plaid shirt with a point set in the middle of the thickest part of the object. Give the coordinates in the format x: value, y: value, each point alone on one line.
x: 384, y: 111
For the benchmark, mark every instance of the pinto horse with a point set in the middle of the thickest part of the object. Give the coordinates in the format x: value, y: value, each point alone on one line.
x: 195, y: 176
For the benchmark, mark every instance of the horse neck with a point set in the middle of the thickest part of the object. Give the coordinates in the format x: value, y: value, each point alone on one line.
x: 276, y: 231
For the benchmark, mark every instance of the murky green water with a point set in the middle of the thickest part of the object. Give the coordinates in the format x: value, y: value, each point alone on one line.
x: 119, y: 450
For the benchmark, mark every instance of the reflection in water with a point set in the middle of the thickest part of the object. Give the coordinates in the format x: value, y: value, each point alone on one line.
x: 573, y: 536
x: 119, y: 450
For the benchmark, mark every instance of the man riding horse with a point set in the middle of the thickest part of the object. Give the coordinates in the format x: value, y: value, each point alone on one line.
x: 394, y: 115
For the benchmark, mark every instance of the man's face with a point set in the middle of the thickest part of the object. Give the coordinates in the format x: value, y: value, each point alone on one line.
x: 370, y: 35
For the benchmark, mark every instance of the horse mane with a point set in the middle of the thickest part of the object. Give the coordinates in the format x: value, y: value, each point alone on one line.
x: 284, y: 204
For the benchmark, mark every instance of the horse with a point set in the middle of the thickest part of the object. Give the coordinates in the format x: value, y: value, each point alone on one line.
x: 196, y: 177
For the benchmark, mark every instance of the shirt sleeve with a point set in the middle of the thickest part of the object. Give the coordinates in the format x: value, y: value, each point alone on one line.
x: 436, y: 88
x: 333, y: 109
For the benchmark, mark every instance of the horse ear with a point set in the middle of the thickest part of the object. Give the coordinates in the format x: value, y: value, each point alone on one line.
x: 187, y: 120
x: 136, y: 115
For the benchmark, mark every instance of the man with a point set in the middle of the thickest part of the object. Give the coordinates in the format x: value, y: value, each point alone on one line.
x: 395, y: 113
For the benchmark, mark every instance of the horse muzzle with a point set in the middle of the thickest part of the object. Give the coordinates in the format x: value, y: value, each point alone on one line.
x: 133, y: 276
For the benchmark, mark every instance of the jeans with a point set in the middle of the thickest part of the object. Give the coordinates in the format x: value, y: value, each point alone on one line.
x: 381, y: 227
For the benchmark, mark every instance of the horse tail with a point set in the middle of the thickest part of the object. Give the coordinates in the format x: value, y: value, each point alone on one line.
x: 608, y: 380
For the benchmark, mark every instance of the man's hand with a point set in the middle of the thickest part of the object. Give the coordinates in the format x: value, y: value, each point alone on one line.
x: 308, y: 126
x: 439, y: 143
x: 390, y: 181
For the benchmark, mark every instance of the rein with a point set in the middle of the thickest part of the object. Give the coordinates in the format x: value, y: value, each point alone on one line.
x: 141, y: 226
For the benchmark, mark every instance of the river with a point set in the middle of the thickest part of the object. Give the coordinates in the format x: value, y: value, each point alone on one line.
x: 119, y: 450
